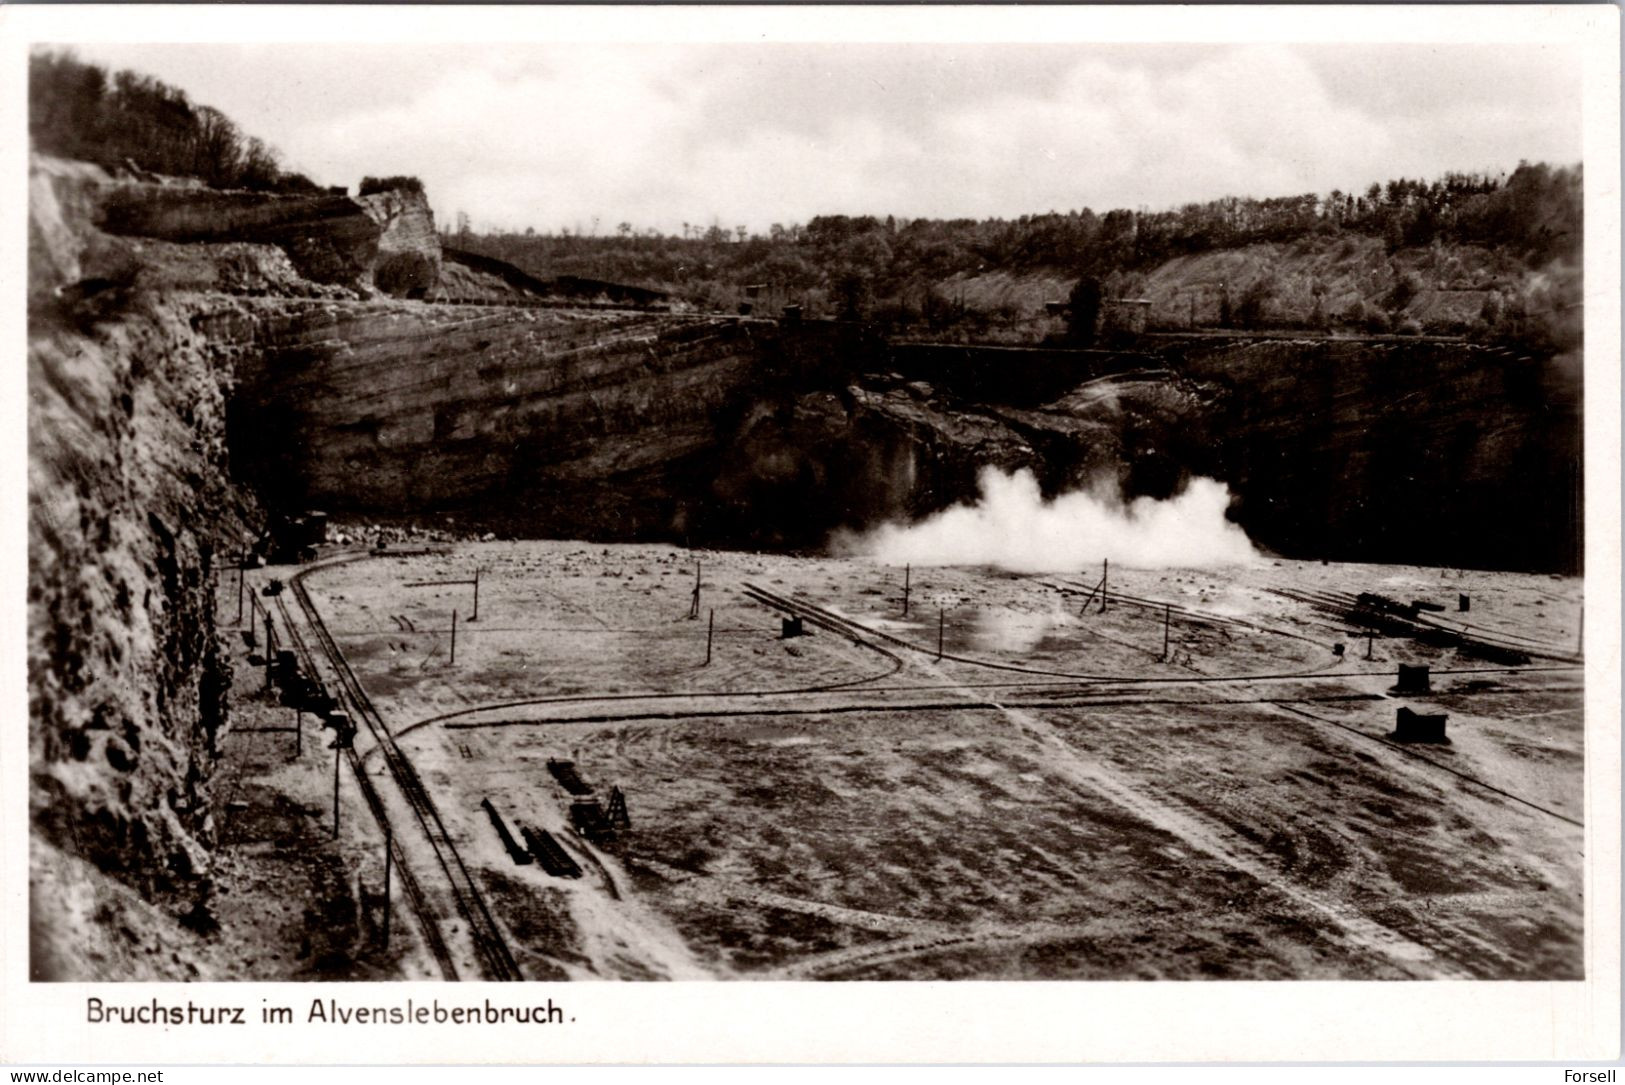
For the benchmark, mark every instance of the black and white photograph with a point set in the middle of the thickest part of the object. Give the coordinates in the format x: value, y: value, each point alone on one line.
x: 760, y: 508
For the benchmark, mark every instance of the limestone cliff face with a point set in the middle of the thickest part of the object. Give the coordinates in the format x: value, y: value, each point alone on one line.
x: 385, y: 240
x: 558, y: 422
x: 1400, y: 451
x: 408, y: 261
x: 130, y: 516
x: 1357, y: 450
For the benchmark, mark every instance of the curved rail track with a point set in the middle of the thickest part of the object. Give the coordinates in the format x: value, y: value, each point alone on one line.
x: 492, y: 946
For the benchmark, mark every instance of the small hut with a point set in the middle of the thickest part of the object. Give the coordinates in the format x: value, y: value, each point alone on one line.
x: 1416, y: 727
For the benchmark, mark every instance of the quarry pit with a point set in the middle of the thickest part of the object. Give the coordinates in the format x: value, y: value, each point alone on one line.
x: 569, y: 762
x: 1195, y: 774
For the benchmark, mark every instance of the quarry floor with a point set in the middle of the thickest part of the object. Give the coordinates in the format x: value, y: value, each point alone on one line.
x: 1057, y: 796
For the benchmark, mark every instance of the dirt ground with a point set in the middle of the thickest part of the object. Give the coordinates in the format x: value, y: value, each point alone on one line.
x: 1189, y: 784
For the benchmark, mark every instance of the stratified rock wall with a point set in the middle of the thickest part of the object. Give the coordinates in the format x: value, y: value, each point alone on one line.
x: 387, y: 236
x: 566, y: 420
x: 1400, y: 451
x: 130, y: 516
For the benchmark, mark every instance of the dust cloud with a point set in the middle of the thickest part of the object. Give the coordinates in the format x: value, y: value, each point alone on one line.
x: 1012, y: 527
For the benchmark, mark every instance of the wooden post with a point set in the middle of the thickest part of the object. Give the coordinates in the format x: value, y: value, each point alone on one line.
x: 454, y: 636
x: 338, y: 754
x: 941, y: 620
x: 906, y: 571
x: 1087, y: 600
x: 1105, y: 572
x: 1369, y: 637
x: 474, y: 617
x: 389, y: 861
x: 694, y: 603
x: 1167, y: 625
x: 710, y: 628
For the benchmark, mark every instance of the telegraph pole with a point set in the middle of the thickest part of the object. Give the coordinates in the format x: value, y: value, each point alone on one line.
x: 389, y: 860
x: 905, y: 590
x: 338, y: 754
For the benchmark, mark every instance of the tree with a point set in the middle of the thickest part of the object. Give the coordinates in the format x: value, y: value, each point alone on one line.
x: 217, y: 148
x: 259, y: 168
x: 853, y: 294
x: 1250, y: 310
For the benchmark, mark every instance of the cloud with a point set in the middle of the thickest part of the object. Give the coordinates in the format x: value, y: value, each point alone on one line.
x: 657, y: 135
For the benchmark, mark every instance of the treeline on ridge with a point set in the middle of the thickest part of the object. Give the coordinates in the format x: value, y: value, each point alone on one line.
x: 865, y: 265
x: 78, y: 110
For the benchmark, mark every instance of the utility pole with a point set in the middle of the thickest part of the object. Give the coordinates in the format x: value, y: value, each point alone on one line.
x: 454, y: 636
x: 694, y: 603
x: 389, y: 860
x: 338, y: 754
x: 905, y: 590
x: 1369, y: 637
x: 1105, y: 573
x: 710, y: 628
x: 474, y: 617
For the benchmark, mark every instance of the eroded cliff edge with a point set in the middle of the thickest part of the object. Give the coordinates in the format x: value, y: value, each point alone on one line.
x: 132, y: 514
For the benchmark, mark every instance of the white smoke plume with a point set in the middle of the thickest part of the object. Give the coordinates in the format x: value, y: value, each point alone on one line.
x: 1011, y: 526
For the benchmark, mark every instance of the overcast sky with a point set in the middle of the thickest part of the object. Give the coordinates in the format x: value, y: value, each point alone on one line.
x: 556, y: 136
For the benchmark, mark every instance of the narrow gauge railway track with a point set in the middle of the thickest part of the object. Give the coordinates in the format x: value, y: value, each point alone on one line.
x: 862, y: 634
x: 488, y: 939
x: 428, y: 916
x: 1467, y: 634
x: 1188, y: 615
x: 1062, y: 698
x: 1102, y: 690
x: 883, y: 707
